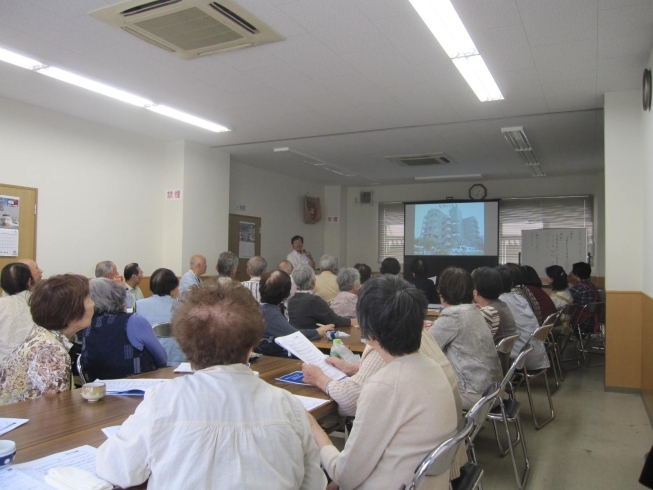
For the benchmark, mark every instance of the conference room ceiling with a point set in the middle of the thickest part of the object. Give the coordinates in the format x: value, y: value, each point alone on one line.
x: 354, y: 81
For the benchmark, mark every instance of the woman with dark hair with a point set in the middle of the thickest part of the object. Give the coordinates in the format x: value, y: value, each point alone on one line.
x: 274, y: 288
x: 517, y: 276
x: 463, y: 335
x: 365, y: 271
x: 419, y: 278
x: 158, y: 307
x: 406, y: 409
x: 222, y: 427
x: 533, y: 283
x: 558, y: 279
x: 15, y: 318
x: 118, y: 344
x: 40, y: 365
x: 390, y: 265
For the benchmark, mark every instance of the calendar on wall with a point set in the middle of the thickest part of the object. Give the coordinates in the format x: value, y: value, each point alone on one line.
x: 9, y: 226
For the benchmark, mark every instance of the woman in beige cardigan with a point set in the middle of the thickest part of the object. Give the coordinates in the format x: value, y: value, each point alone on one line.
x: 398, y: 421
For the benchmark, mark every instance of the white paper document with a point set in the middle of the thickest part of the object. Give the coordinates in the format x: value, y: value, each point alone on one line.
x: 184, y: 367
x: 311, y: 403
x: 109, y: 431
x: 298, y: 345
x: 10, y: 424
x: 29, y: 476
x: 134, y: 387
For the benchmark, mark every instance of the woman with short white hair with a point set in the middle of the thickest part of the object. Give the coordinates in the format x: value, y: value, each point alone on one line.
x: 349, y: 282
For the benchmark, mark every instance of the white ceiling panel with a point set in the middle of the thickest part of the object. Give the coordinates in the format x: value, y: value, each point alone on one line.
x: 493, y: 44
x: 565, y: 61
x: 558, y: 21
x: 572, y: 95
x: 412, y: 38
x: 384, y: 67
x: 626, y: 31
x: 481, y: 15
x: 621, y: 73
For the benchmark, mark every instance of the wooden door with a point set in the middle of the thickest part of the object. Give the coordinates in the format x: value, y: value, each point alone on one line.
x: 244, y: 241
x: 27, y: 199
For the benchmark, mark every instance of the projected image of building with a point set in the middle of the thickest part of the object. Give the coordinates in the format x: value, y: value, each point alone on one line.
x: 446, y: 233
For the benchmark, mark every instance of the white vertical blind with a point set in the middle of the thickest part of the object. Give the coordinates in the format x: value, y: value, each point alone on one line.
x: 391, y: 230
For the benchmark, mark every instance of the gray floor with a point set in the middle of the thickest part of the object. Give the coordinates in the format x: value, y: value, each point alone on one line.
x: 597, y: 440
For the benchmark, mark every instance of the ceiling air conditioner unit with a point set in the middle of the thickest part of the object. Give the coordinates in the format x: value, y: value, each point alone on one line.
x: 420, y: 160
x: 189, y: 28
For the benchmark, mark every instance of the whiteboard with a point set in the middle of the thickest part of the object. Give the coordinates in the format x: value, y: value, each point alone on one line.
x: 551, y: 246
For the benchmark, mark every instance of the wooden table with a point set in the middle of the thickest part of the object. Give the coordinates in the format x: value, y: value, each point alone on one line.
x: 353, y: 341
x: 65, y: 420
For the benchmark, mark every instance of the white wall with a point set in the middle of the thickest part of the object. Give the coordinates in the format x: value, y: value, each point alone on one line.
x: 362, y: 219
x: 624, y: 204
x: 278, y: 201
x: 647, y: 155
x: 99, y: 189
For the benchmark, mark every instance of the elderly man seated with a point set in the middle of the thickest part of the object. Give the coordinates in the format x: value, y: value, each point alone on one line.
x: 108, y: 269
x: 222, y: 427
x: 326, y: 286
x: 227, y: 267
x: 307, y: 310
x: 349, y: 282
x: 255, y: 267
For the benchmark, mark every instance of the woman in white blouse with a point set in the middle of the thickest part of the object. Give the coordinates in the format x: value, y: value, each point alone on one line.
x: 222, y: 427
x: 405, y: 409
x: 560, y: 293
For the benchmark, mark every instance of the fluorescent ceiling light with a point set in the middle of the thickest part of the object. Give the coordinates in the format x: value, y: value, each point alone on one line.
x: 445, y: 24
x: 187, y: 118
x: 100, y: 88
x: 528, y: 157
x: 93, y: 86
x: 517, y: 138
x: 447, y: 177
x: 283, y: 148
x: 536, y: 171
x: 18, y: 60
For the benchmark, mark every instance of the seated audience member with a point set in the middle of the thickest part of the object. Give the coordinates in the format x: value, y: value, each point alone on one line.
x: 118, y: 344
x: 533, y: 283
x: 364, y: 270
x: 191, y: 277
x: 37, y: 273
x: 298, y: 255
x: 274, y: 288
x: 406, y: 409
x: 584, y: 292
x: 255, y: 267
x: 40, y: 365
x: 326, y: 285
x: 287, y: 267
x: 344, y: 304
x: 517, y: 278
x: 16, y: 321
x: 108, y: 269
x: 222, y: 427
x: 419, y: 278
x: 390, y: 265
x: 306, y: 310
x: 463, y: 336
x: 227, y: 267
x: 560, y: 294
x: 158, y: 309
x: 525, y: 322
x: 133, y: 277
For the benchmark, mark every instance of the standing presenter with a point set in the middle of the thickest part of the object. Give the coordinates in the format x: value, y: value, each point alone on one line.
x: 299, y: 255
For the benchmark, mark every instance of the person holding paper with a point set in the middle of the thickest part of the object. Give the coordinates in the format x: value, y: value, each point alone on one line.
x: 397, y: 421
x: 222, y: 427
x: 274, y: 288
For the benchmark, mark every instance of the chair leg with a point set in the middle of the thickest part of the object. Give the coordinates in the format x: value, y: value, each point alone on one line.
x: 527, y: 464
x: 527, y: 378
x: 566, y: 340
x: 558, y: 356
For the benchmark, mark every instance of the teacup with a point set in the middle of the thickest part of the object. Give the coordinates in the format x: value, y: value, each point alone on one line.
x: 94, y: 391
x: 7, y: 452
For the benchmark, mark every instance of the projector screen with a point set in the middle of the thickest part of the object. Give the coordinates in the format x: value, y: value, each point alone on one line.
x: 452, y: 228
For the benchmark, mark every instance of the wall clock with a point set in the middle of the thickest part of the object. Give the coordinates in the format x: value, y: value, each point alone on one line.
x: 477, y: 192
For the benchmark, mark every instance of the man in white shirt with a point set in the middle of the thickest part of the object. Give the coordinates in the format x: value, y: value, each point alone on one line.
x: 108, y: 269
x: 255, y: 267
x: 191, y: 277
x: 133, y: 277
x: 299, y: 255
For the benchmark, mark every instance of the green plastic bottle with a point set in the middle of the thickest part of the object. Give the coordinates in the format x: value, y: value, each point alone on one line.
x: 333, y: 352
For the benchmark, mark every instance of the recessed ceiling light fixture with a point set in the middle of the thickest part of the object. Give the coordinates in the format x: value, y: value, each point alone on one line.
x: 443, y: 21
x: 100, y: 88
x: 517, y: 139
x: 449, y: 177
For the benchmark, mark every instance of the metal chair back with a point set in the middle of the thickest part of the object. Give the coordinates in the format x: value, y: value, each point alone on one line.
x: 517, y: 364
x: 163, y: 330
x: 80, y: 369
x: 541, y: 333
x: 505, y: 345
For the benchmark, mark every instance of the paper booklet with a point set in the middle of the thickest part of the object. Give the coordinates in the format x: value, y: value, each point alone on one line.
x: 311, y: 403
x: 133, y: 387
x: 10, y: 424
x: 299, y: 346
x: 184, y: 367
x: 296, y: 378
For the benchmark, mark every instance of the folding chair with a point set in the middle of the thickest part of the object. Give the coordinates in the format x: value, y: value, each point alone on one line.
x: 81, y: 370
x: 540, y: 334
x: 440, y: 460
x: 478, y: 414
x: 551, y: 348
x: 587, y: 341
x: 504, y: 348
x: 508, y: 411
x: 163, y: 330
x: 568, y: 314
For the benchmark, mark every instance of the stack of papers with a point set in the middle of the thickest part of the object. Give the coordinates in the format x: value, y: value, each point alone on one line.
x: 10, y: 424
x: 133, y: 387
x: 184, y: 367
x: 299, y: 346
x: 311, y: 403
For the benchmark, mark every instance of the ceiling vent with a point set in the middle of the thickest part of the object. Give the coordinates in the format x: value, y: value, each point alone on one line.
x: 420, y: 160
x: 189, y: 28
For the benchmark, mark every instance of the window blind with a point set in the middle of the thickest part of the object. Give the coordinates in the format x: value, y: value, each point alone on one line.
x: 520, y: 214
x: 391, y: 230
